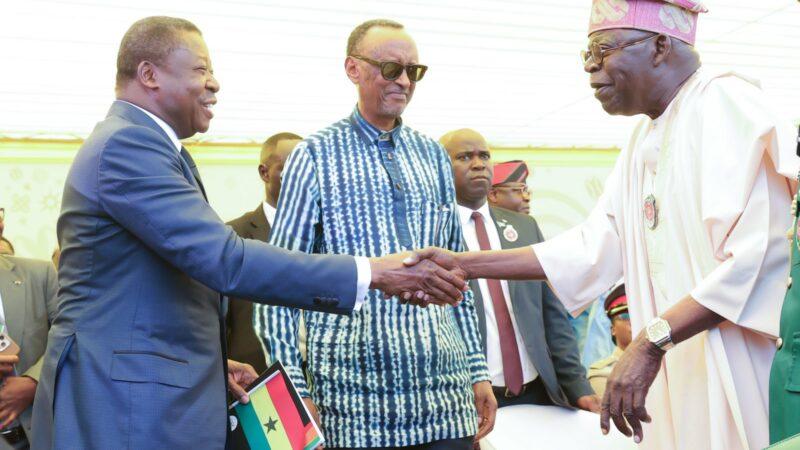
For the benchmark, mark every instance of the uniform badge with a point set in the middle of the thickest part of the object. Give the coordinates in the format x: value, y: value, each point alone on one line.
x: 510, y: 233
x: 650, y: 212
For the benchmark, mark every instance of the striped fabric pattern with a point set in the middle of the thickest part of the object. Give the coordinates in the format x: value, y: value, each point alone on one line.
x: 390, y: 374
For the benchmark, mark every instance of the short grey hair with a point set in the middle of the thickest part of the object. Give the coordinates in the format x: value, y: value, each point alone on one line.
x: 358, y: 33
x: 149, y: 39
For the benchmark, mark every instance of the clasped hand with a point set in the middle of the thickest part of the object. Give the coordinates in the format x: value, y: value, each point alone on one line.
x: 425, y: 277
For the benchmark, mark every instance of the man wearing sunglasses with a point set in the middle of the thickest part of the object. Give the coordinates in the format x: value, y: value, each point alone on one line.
x: 694, y: 216
x: 390, y: 375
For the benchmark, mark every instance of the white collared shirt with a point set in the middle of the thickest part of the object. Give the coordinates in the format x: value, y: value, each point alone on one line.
x: 173, y: 137
x: 494, y: 356
x: 269, y: 212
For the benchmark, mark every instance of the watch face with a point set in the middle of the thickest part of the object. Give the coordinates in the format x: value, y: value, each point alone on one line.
x: 658, y: 330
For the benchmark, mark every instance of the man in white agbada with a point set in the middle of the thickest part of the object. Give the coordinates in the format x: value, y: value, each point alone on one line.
x: 694, y: 215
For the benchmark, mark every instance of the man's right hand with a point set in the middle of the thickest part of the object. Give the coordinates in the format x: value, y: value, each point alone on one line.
x: 395, y: 275
x: 441, y: 257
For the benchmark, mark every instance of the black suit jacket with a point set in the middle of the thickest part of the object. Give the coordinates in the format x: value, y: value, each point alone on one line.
x: 243, y: 344
x: 543, y: 321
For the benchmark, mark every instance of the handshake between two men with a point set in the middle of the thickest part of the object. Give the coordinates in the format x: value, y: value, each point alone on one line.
x: 418, y: 281
x: 435, y: 276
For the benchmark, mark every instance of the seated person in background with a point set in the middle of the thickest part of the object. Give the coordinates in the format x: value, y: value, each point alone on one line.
x: 28, y: 298
x: 616, y: 307
x: 509, y: 187
x: 527, y: 338
x: 5, y: 247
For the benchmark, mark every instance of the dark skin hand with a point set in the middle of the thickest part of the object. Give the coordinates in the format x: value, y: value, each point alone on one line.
x: 431, y: 283
x: 16, y: 395
x: 7, y: 364
x: 627, y: 387
x: 486, y: 406
x: 589, y: 403
x: 240, y: 376
x: 513, y: 264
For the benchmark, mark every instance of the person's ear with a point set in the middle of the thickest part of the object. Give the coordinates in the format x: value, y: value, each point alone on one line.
x: 663, y: 49
x: 492, y: 196
x: 147, y: 74
x: 263, y: 172
x: 352, y: 69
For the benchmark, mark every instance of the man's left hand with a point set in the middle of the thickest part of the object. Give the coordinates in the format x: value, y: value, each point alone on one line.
x: 627, y: 388
x: 589, y: 403
x: 240, y: 375
x: 486, y: 405
x: 16, y: 395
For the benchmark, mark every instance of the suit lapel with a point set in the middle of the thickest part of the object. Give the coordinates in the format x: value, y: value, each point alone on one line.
x: 479, y: 311
x: 133, y: 114
x: 504, y: 243
x: 12, y: 288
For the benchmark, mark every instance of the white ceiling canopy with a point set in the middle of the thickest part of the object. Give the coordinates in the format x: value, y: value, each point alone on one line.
x: 509, y: 69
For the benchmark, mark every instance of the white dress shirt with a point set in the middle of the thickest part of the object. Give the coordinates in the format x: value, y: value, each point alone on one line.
x: 362, y: 263
x: 494, y: 356
x: 173, y: 137
x: 269, y: 212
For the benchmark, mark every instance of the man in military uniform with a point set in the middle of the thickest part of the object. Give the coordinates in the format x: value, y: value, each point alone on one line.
x: 616, y: 306
x: 784, y: 381
x: 509, y: 187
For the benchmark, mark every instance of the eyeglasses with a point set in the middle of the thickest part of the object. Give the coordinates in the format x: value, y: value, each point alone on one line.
x: 596, y: 53
x: 391, y: 70
x: 523, y: 190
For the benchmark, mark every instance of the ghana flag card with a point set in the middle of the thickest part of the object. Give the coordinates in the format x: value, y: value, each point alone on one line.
x: 275, y: 418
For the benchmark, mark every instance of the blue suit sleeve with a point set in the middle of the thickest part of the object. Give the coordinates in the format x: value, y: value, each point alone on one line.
x: 143, y: 188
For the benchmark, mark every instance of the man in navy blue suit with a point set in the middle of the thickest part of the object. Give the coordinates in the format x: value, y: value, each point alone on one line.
x: 136, y: 355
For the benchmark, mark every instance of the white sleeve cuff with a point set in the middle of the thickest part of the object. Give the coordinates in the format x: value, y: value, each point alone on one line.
x: 364, y: 280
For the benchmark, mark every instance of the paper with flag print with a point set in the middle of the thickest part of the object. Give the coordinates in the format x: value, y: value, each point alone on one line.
x: 275, y: 418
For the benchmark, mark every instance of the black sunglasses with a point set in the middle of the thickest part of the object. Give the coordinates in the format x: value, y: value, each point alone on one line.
x: 391, y: 70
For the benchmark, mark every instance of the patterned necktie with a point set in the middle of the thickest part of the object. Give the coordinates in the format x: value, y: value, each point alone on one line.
x: 512, y: 366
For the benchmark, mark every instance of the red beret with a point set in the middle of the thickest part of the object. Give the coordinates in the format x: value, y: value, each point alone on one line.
x: 510, y: 172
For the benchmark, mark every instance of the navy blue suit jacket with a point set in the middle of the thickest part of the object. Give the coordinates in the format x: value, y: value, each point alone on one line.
x: 134, y: 358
